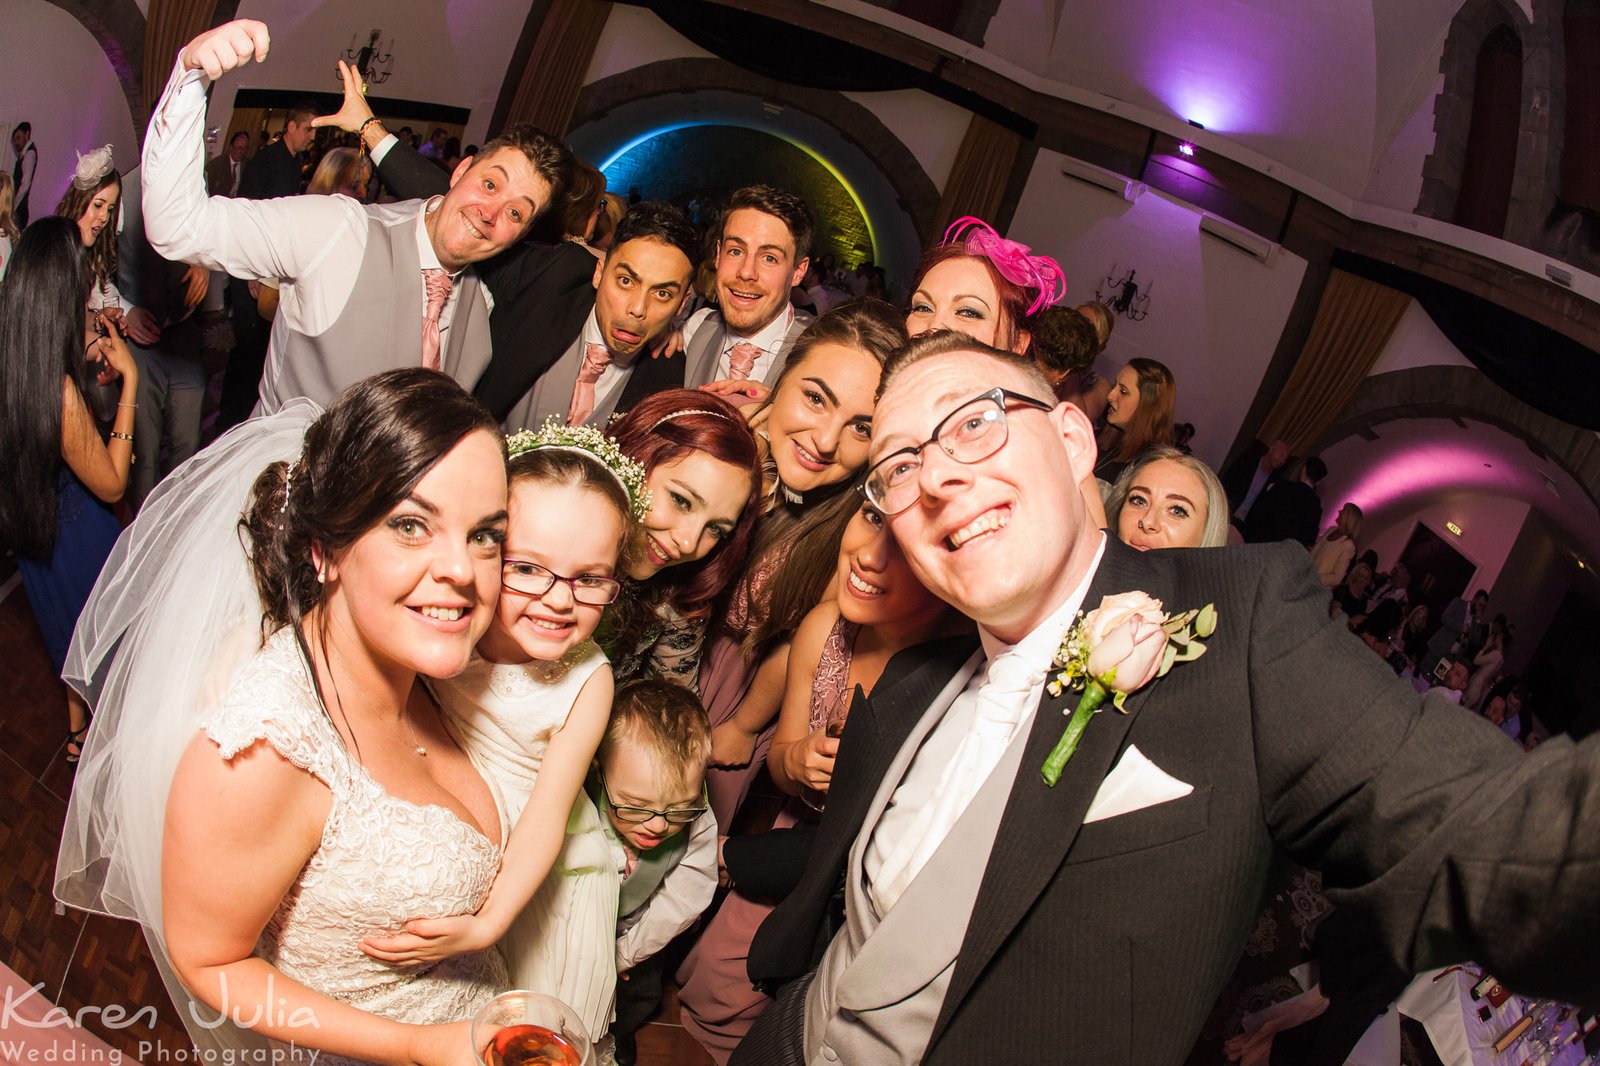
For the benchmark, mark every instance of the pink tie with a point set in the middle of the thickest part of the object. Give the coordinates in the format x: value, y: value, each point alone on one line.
x: 437, y: 283
x: 596, y: 357
x: 742, y: 360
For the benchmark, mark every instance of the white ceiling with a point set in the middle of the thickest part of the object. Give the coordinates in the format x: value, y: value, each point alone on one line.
x: 1322, y: 86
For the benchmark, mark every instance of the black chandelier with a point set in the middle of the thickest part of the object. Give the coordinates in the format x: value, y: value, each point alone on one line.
x: 1124, y: 295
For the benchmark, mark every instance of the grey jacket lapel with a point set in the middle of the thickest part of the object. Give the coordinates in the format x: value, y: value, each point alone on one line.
x: 1024, y: 859
x: 797, y: 327
x: 467, y: 340
x: 407, y: 319
x: 551, y: 393
x: 919, y: 938
x: 703, y: 352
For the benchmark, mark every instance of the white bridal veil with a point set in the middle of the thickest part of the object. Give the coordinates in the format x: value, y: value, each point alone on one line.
x: 173, y: 616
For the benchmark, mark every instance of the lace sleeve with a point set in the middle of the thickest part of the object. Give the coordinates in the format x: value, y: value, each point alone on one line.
x: 270, y: 701
x: 675, y: 655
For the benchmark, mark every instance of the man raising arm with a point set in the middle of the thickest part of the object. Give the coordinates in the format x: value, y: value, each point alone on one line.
x: 364, y: 288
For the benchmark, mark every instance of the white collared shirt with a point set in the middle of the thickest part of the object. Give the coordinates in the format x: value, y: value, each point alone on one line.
x: 768, y: 338
x: 915, y: 793
x: 315, y: 244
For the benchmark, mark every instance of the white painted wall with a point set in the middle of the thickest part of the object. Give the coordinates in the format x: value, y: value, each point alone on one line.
x: 633, y: 37
x: 1215, y: 314
x: 1489, y: 527
x: 931, y: 127
x: 58, y: 78
x: 454, y: 54
x: 1415, y: 342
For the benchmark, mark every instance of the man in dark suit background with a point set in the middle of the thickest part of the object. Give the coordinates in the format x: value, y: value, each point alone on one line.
x: 1248, y: 476
x: 225, y: 173
x: 272, y: 172
x: 1096, y: 921
x: 1289, y: 509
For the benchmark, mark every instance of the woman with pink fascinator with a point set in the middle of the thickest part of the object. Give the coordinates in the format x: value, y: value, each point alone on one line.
x: 988, y: 287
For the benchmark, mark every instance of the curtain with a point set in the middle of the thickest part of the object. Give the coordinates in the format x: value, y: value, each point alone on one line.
x: 548, y: 90
x: 169, y: 25
x: 977, y: 182
x: 1353, y: 323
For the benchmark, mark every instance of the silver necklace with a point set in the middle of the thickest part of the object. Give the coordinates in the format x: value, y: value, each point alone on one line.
x: 422, y: 751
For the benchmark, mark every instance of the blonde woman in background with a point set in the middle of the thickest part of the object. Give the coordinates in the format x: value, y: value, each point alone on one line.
x: 9, y: 232
x: 343, y: 171
x: 1333, y: 552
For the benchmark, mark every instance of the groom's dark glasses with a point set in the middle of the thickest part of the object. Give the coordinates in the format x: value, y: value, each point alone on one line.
x: 969, y: 434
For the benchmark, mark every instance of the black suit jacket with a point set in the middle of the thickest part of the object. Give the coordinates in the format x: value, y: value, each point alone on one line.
x: 1239, y: 473
x: 542, y: 292
x: 269, y: 173
x: 1285, y: 510
x: 1108, y: 943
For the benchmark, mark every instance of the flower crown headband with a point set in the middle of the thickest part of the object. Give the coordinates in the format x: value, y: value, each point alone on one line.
x: 1012, y: 259
x: 91, y: 168
x: 630, y: 473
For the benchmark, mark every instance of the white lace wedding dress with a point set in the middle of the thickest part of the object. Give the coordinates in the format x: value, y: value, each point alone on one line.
x: 382, y: 860
x: 564, y: 942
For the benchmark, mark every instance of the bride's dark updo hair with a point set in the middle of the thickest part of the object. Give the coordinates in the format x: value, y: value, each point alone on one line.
x: 362, y: 457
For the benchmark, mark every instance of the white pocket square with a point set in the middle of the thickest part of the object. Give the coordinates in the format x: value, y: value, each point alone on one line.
x: 1132, y: 785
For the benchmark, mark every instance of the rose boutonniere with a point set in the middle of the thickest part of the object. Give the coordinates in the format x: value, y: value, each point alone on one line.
x: 1118, y: 648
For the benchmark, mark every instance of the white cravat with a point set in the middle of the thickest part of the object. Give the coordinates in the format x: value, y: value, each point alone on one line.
x: 1003, y: 701
x: 962, y: 750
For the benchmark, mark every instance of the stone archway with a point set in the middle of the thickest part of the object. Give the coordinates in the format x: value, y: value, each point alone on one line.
x: 899, y: 167
x: 118, y: 27
x: 1466, y: 393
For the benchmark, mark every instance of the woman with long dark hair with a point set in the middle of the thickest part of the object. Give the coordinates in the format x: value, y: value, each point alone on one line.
x: 270, y: 778
x: 92, y: 202
x: 815, y: 427
x: 1139, y: 415
x: 59, y: 475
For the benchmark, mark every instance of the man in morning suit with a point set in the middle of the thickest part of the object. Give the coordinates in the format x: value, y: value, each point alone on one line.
x: 558, y: 314
x: 639, y: 288
x: 763, y: 248
x: 990, y: 918
x: 364, y: 288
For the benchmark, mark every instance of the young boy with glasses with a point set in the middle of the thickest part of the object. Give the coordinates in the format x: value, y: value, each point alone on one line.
x: 649, y: 785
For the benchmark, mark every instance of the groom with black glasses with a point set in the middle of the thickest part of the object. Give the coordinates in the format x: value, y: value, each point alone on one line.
x: 992, y: 917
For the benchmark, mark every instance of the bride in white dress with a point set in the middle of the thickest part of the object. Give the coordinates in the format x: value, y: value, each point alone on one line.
x: 314, y: 795
x: 531, y: 707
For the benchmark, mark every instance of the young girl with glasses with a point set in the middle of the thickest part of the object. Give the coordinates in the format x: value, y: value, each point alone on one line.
x: 532, y: 705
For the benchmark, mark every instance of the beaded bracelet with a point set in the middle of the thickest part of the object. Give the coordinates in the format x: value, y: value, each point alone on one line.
x: 361, y: 130
x: 122, y: 436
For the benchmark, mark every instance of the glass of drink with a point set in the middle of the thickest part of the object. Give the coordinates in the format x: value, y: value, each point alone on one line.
x: 832, y: 727
x: 521, y: 1028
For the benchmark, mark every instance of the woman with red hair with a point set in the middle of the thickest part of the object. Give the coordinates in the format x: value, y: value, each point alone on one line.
x: 703, y: 469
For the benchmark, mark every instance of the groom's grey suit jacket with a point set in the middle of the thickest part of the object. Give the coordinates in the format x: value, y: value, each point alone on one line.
x: 1108, y: 942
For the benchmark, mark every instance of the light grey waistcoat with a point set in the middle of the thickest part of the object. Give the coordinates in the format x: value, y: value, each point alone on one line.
x: 702, y: 353
x: 380, y: 327
x: 881, y: 984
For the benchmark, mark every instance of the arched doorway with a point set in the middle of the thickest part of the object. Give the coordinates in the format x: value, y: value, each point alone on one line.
x: 894, y: 195
x: 700, y: 163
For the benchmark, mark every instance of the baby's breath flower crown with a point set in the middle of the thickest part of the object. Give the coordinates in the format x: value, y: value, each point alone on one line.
x: 628, y: 472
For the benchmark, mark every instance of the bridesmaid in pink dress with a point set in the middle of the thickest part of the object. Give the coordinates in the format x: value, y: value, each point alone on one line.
x: 876, y: 608
x: 815, y: 428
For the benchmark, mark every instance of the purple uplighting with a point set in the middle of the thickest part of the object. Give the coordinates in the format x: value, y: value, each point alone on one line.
x: 1187, y: 149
